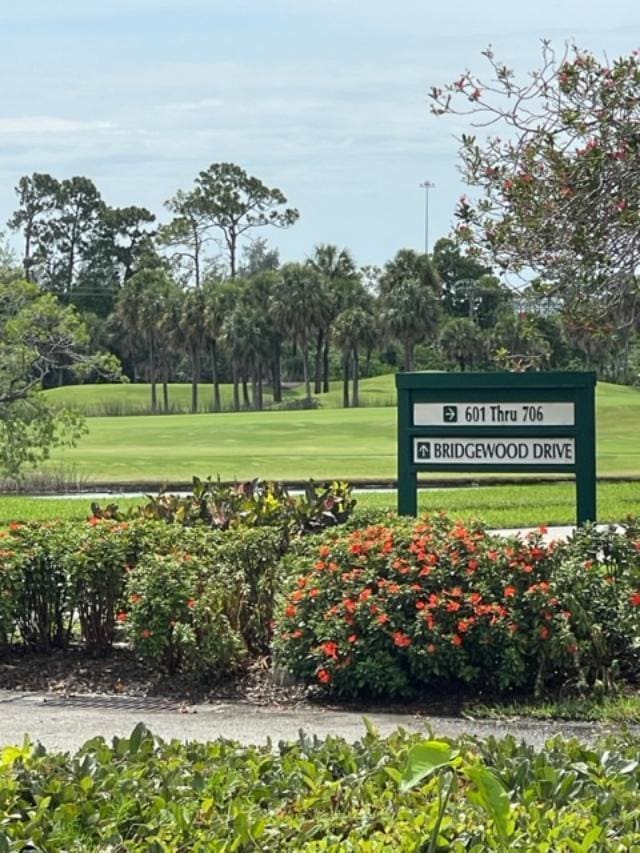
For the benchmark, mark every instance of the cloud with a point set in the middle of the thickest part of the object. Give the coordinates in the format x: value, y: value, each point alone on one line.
x: 49, y: 125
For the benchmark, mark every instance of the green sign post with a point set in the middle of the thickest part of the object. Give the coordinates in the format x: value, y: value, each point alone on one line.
x: 533, y: 422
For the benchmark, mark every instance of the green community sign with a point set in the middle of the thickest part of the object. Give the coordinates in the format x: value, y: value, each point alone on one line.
x: 533, y: 422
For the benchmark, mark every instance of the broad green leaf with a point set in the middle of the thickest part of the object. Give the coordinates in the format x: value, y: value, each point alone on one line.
x: 494, y: 798
x: 423, y: 759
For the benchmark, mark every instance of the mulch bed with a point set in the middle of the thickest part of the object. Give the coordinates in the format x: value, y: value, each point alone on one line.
x: 72, y: 673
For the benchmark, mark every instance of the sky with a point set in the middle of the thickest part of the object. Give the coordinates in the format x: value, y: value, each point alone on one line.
x: 325, y: 99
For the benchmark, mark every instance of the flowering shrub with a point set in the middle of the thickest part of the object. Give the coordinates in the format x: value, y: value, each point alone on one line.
x: 203, y: 611
x: 36, y: 592
x: 389, y: 608
x: 176, y: 616
x: 73, y: 581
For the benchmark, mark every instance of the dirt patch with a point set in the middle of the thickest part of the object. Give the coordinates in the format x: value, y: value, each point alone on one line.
x: 72, y: 673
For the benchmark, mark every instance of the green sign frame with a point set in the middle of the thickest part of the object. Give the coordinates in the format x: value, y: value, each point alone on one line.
x: 483, y: 391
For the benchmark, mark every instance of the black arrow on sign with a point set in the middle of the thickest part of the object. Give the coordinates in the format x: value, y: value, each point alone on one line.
x: 450, y: 414
x: 424, y: 450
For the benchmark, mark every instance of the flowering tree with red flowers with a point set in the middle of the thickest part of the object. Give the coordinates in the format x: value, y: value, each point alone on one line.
x: 557, y: 175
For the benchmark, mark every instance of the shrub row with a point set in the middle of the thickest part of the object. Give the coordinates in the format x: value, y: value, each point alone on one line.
x: 140, y: 794
x: 394, y: 607
x: 189, y: 599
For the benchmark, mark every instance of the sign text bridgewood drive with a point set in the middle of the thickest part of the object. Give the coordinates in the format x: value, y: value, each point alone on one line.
x: 496, y: 422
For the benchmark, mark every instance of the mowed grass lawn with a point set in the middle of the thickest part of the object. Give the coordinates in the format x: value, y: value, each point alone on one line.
x: 497, y: 506
x: 323, y: 443
x: 135, y: 399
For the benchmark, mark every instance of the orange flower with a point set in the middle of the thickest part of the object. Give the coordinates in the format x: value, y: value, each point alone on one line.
x: 457, y: 640
x: 92, y: 521
x: 324, y: 551
x: 365, y: 594
x: 122, y: 616
x: 296, y: 634
x: 452, y: 606
x: 330, y: 649
x: 401, y: 639
x: 635, y: 599
x: 545, y: 633
x: 291, y: 611
x: 135, y: 598
x: 383, y: 619
x: 324, y: 676
x: 510, y: 591
x: 431, y: 648
x: 313, y: 593
x: 191, y: 602
x: 15, y: 525
x: 146, y: 633
x: 352, y: 638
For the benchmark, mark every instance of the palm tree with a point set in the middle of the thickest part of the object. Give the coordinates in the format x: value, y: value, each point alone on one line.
x: 141, y: 306
x: 214, y: 305
x: 410, y: 314
x: 463, y: 342
x: 343, y: 288
x: 354, y: 328
x: 298, y: 301
x: 192, y: 333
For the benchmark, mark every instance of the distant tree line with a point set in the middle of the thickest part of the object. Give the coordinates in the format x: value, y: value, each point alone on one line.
x: 204, y: 298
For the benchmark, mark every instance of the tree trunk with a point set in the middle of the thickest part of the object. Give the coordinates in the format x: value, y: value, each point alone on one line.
x: 409, y: 358
x: 236, y: 389
x: 152, y: 371
x: 356, y: 378
x: 317, y: 384
x: 254, y: 387
x: 305, y: 368
x: 231, y: 242
x: 214, y: 376
x: 195, y: 379
x: 325, y: 365
x: 275, y: 381
x: 165, y: 388
x: 345, y: 380
x: 245, y: 391
x: 277, y: 374
x: 260, y: 395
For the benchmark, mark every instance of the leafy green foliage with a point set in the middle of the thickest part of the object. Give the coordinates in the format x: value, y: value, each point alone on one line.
x: 38, y: 336
x: 193, y: 600
x: 386, y: 609
x: 253, y: 504
x: 140, y: 794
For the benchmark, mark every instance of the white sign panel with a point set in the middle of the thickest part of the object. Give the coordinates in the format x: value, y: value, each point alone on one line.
x: 493, y: 414
x: 494, y: 451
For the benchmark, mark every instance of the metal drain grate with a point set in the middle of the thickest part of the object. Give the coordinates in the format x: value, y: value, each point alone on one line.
x: 124, y: 703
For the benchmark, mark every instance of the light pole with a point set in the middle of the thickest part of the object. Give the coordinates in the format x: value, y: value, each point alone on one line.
x: 426, y: 186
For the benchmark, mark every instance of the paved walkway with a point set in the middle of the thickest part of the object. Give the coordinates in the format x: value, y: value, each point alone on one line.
x: 65, y: 724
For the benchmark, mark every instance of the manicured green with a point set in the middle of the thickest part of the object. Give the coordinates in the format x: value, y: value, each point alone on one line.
x: 498, y: 506
x: 324, y: 444
x: 135, y: 398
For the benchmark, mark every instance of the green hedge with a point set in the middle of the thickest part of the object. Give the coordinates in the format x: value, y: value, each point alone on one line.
x: 396, y: 607
x: 140, y: 794
x: 188, y: 599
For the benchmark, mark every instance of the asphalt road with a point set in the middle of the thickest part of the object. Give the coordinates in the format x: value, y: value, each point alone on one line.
x: 65, y: 724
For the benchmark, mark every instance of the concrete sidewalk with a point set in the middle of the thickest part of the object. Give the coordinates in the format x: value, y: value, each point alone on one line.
x: 65, y: 724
